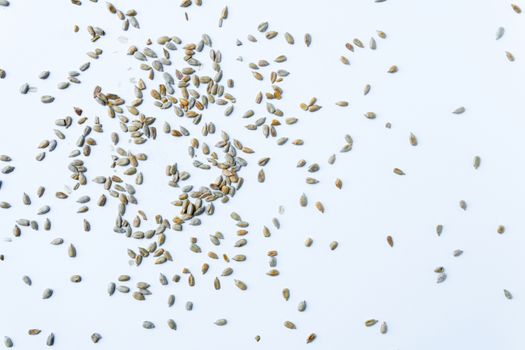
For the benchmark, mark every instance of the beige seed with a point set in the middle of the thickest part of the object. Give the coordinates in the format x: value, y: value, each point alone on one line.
x: 333, y: 245
x: 370, y: 323
x: 392, y: 69
x: 398, y: 171
x: 390, y: 240
x: 307, y: 39
x: 384, y: 328
x: 516, y: 8
x: 338, y: 183
x: 501, y: 229
x: 413, y: 139
x: 289, y: 325
x: 286, y: 294
x: 308, y: 242
x: 240, y: 284
x: 72, y: 251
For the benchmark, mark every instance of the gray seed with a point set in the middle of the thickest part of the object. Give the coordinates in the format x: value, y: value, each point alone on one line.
x: 57, y: 241
x: 459, y: 110
x: 50, y: 341
x: 302, y: 306
x: 95, y: 337
x: 111, y: 288
x: 189, y: 306
x: 262, y: 27
x: 500, y: 32
x: 47, y: 293
x: 148, y: 325
x: 7, y: 341
x: 63, y: 85
x: 43, y: 210
x: 44, y: 75
x: 476, y: 162
x: 441, y: 277
x: 24, y: 89
x: 457, y: 252
x: 507, y: 294
x: 27, y: 280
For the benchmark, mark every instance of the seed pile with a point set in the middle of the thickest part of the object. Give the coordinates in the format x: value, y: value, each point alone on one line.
x: 184, y: 81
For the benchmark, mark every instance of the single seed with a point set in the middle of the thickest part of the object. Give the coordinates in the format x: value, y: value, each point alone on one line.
x: 301, y: 306
x: 370, y: 323
x: 507, y: 294
x: 221, y: 322
x: 311, y: 338
x: 459, y: 110
x: 398, y: 171
x: 289, y: 325
x: 47, y: 293
x: 393, y: 69
x: 390, y: 240
x: 95, y: 337
x: 441, y: 277
x: 384, y: 328
x: 148, y: 325
x: 50, y: 341
x: 286, y: 294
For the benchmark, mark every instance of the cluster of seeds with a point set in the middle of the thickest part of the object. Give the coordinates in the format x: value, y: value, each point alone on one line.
x: 185, y: 83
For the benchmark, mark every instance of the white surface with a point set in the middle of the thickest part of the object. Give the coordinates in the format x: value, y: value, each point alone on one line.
x: 447, y: 57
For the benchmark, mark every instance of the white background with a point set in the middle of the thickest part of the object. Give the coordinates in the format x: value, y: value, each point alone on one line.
x: 447, y: 57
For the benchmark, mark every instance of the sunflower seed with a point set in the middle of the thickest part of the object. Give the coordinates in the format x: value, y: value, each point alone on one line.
x: 311, y: 338
x: 289, y: 325
x: 47, y: 293
x: 370, y: 323
x: 383, y: 328
x: 95, y: 337
x: 27, y: 280
x: 390, y: 240
x: 507, y: 294
x: 459, y: 110
x: 172, y: 324
x: 50, y: 341
x: 307, y: 39
x: 286, y: 294
x: 441, y: 277
x: 44, y: 75
x: 221, y: 322
x: 302, y: 306
x: 148, y: 325
x: 7, y: 341
x: 398, y: 171
x: 500, y: 32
